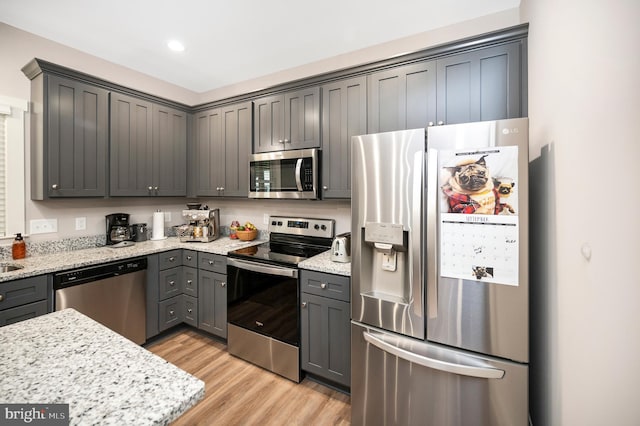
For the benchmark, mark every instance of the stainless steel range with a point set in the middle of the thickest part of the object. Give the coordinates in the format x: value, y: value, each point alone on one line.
x: 263, y: 309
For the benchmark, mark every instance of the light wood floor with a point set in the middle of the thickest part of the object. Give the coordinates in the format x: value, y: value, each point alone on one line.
x: 239, y: 393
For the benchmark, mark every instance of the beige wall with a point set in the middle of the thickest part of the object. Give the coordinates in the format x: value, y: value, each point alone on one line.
x: 584, y: 99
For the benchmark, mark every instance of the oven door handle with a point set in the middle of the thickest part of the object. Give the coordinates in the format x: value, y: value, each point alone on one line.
x: 263, y: 269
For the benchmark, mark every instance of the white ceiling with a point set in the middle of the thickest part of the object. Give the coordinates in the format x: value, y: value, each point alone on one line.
x: 235, y: 40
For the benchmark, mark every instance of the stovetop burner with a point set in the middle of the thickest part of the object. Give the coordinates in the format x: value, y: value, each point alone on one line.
x: 291, y: 241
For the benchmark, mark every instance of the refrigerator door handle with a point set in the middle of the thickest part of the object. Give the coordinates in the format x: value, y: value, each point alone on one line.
x: 431, y: 232
x: 436, y: 364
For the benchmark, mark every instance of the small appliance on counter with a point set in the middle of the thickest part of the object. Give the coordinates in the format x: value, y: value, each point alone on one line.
x: 341, y: 248
x: 204, y: 225
x: 139, y: 232
x: 118, y: 229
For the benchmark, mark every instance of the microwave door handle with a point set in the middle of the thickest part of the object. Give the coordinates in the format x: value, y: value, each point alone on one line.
x: 263, y: 269
x: 436, y: 364
x: 299, y: 174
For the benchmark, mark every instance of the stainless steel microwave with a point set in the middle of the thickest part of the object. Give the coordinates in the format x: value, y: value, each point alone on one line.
x: 285, y: 174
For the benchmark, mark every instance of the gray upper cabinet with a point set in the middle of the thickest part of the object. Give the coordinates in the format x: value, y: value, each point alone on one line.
x: 169, y: 167
x: 223, y: 138
x: 287, y: 121
x: 344, y: 114
x: 480, y: 85
x: 402, y: 98
x: 69, y: 151
x: 148, y: 148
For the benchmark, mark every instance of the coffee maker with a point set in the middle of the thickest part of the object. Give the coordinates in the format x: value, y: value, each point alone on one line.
x: 204, y: 225
x: 118, y: 228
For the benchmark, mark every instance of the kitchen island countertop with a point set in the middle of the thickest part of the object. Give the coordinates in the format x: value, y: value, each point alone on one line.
x: 67, y: 358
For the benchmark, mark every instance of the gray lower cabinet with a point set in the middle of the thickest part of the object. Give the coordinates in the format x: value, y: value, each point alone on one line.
x: 325, y: 326
x: 287, y: 121
x: 23, y: 299
x: 222, y: 144
x: 212, y: 294
x: 344, y: 114
x: 148, y: 148
x: 69, y: 153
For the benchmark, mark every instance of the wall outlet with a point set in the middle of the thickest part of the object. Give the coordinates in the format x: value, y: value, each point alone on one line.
x: 81, y: 223
x: 43, y: 226
x: 167, y: 216
x: 265, y: 219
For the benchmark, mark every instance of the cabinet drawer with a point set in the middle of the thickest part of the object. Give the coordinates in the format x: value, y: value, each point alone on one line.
x: 170, y: 282
x: 327, y: 285
x: 190, y: 281
x: 170, y: 312
x: 190, y: 310
x: 21, y: 313
x: 212, y: 262
x: 21, y: 292
x: 170, y: 259
x: 190, y: 258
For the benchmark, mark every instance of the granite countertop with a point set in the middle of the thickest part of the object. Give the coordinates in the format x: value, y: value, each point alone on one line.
x: 323, y: 263
x: 67, y: 358
x: 45, y: 264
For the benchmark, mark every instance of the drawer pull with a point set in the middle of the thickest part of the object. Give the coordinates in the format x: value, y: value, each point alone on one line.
x: 172, y: 258
x: 189, y: 257
x: 189, y: 282
x: 190, y: 310
x: 171, y: 283
x: 171, y: 313
x: 1, y: 297
x: 222, y: 284
x: 211, y: 262
x: 323, y: 285
x: 304, y: 304
x: 259, y: 324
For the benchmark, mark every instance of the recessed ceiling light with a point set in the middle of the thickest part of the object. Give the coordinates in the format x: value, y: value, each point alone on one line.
x: 175, y: 45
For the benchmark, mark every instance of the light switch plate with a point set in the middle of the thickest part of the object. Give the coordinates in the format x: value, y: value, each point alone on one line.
x: 81, y: 223
x: 43, y: 226
x: 167, y: 216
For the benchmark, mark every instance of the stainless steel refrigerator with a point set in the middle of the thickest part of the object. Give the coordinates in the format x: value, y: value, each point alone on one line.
x: 439, y: 332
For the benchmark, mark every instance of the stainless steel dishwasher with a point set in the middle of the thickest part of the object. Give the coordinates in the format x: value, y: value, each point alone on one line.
x: 111, y: 293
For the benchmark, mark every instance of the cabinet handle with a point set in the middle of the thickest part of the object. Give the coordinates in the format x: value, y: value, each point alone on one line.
x: 189, y: 257
x: 1, y: 297
x: 155, y: 188
x: 171, y: 283
x: 323, y: 285
x: 222, y: 188
x: 190, y: 310
x: 287, y: 141
x: 211, y: 262
x: 430, y: 124
x: 54, y: 186
x: 189, y: 282
x: 171, y: 313
x: 259, y: 324
x: 440, y: 123
x: 217, y: 188
x: 304, y: 304
x: 325, y: 187
x: 222, y: 284
x: 150, y: 188
x: 172, y: 258
x: 280, y: 141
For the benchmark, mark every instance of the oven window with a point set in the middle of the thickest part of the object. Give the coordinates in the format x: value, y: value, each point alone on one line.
x: 266, y: 304
x: 273, y: 175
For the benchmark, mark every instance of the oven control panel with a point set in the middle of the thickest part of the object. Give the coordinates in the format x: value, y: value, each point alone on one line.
x: 312, y: 227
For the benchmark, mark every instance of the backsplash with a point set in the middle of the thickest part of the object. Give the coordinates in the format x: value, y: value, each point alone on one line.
x: 39, y: 248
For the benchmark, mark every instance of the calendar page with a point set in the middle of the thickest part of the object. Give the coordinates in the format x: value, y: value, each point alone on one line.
x: 478, y: 216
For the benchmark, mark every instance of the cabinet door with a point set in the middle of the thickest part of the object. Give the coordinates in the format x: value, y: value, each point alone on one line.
x: 169, y: 152
x: 326, y: 338
x: 269, y: 124
x: 170, y: 312
x: 480, y: 85
x: 344, y: 114
x: 237, y: 138
x: 402, y: 98
x: 302, y: 119
x: 77, y: 139
x: 209, y: 152
x: 23, y: 291
x: 131, y: 147
x: 212, y: 302
x: 170, y: 281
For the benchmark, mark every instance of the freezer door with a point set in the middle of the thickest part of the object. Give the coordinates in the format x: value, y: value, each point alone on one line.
x: 401, y: 381
x: 477, y: 268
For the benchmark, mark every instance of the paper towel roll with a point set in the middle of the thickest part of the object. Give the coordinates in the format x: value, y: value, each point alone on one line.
x: 158, y: 226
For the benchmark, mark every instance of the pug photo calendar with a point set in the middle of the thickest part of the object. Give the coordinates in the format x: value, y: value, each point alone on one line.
x: 478, y: 214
